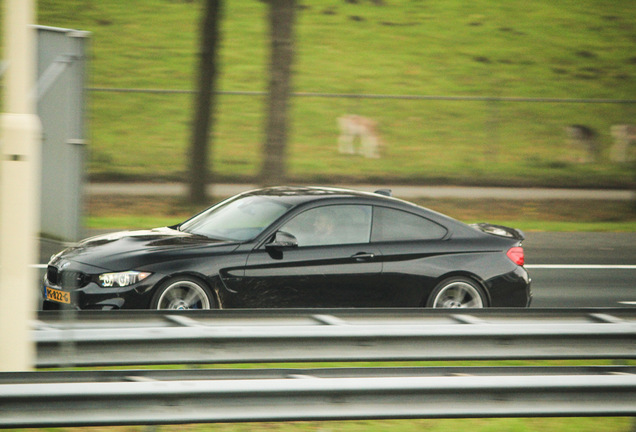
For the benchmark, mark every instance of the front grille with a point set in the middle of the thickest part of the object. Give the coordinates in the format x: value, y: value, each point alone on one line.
x: 67, y: 279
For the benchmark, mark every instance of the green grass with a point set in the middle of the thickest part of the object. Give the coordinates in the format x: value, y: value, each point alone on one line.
x: 565, y: 49
x: 600, y: 424
x: 416, y: 425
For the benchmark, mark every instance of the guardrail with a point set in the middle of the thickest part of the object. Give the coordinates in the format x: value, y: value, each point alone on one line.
x: 121, y: 397
x: 154, y: 397
x: 151, y: 338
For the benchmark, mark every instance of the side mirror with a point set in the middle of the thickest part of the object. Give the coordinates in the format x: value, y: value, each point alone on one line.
x: 282, y: 240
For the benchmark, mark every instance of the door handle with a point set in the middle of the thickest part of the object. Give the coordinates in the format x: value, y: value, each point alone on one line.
x: 363, y: 256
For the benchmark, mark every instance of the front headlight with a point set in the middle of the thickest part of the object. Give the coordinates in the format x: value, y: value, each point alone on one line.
x: 121, y: 279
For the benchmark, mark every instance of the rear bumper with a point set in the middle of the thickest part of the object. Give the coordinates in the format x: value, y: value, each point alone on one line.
x: 513, y: 289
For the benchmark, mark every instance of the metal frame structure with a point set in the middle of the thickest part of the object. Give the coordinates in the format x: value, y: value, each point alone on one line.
x: 61, y: 105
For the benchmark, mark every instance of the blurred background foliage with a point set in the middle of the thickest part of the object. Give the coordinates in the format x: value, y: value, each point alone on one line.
x: 565, y: 56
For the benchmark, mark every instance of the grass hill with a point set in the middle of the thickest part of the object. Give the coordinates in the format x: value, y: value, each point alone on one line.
x: 570, y: 49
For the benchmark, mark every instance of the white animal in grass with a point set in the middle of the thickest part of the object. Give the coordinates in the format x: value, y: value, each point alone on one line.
x: 623, y: 148
x: 354, y: 129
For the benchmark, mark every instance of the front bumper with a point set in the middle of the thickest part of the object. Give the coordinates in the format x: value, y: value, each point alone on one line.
x: 94, y: 297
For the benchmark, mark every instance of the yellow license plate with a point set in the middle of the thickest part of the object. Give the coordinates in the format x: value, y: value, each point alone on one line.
x: 57, y: 295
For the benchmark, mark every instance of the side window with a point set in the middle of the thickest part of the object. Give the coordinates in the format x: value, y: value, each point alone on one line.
x: 396, y: 225
x: 330, y: 225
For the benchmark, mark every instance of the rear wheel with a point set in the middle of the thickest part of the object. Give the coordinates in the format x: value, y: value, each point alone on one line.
x: 183, y: 293
x: 457, y: 292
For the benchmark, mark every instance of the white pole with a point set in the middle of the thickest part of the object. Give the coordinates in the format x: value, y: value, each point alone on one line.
x: 19, y: 188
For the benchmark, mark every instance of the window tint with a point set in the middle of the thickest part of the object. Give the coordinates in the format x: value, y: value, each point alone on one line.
x: 395, y: 225
x: 329, y: 225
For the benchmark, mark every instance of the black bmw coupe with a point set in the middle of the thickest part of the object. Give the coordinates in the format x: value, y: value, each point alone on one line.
x: 298, y: 247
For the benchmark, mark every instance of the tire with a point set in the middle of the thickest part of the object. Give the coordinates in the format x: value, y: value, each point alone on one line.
x: 457, y: 292
x: 183, y: 293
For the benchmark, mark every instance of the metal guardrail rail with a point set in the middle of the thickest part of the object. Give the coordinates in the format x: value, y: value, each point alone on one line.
x: 316, y: 316
x: 121, y: 397
x: 164, y: 397
x: 157, y: 337
x: 202, y: 374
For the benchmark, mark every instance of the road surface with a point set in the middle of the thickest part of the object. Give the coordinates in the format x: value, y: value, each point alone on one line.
x: 582, y: 269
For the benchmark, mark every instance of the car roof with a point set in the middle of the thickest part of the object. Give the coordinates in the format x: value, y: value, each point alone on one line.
x: 307, y: 195
x: 301, y: 194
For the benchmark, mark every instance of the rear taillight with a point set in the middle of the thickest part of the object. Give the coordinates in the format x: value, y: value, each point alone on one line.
x: 516, y: 255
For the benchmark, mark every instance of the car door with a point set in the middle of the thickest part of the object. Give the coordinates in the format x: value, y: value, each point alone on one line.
x: 414, y: 252
x: 332, y: 265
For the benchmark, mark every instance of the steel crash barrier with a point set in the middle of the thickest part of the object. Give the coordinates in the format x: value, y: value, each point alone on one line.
x: 118, y: 397
x: 144, y: 397
x: 246, y: 336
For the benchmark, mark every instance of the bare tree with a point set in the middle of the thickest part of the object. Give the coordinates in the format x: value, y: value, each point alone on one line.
x: 199, y: 171
x: 281, y: 21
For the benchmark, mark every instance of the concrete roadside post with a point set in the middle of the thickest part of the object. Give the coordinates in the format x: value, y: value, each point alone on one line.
x: 19, y: 185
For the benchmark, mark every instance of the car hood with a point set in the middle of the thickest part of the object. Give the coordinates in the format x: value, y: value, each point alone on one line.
x: 130, y: 249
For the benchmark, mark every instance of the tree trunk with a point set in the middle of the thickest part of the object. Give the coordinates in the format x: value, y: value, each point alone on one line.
x: 281, y: 19
x: 199, y: 172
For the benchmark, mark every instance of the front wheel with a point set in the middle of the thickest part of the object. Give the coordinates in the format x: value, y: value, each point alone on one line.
x: 458, y: 292
x: 183, y: 293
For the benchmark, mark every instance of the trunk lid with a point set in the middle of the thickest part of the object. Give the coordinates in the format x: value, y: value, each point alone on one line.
x: 500, y: 231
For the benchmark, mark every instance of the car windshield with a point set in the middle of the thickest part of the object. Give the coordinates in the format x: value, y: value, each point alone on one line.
x: 238, y: 219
